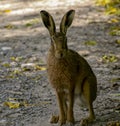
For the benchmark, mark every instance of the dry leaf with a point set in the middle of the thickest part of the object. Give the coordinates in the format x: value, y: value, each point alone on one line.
x: 32, y: 22
x: 115, y: 31
x: 7, y: 11
x: 118, y: 41
x: 28, y: 24
x: 111, y: 10
x: 12, y: 105
x: 6, y: 65
x: 9, y: 26
x: 111, y: 6
x: 113, y: 20
x: 16, y: 71
x: 90, y: 43
x: 37, y: 67
x: 114, y: 80
x: 109, y: 58
x: 102, y: 2
x: 13, y: 58
x: 16, y: 59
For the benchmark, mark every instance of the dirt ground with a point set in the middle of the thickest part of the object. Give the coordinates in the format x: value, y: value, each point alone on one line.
x: 24, y: 43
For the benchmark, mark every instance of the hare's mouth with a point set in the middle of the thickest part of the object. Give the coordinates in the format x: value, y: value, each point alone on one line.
x: 59, y: 55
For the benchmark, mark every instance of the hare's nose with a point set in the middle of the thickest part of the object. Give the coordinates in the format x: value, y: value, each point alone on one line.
x: 61, y: 55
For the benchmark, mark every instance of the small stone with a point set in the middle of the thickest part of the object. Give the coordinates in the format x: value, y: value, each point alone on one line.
x: 3, y: 121
x: 28, y: 66
x: 6, y: 48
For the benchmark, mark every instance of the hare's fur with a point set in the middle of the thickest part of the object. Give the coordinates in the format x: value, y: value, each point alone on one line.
x: 68, y: 72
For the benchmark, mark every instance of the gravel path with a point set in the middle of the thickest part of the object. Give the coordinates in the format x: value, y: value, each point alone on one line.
x: 24, y: 43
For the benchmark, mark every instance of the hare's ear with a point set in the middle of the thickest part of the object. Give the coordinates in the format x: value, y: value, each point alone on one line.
x: 67, y: 21
x: 48, y: 21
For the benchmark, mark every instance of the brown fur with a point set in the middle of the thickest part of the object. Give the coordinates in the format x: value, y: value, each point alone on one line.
x: 69, y: 73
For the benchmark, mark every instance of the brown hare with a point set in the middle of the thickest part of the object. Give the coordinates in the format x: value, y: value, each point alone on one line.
x: 68, y: 72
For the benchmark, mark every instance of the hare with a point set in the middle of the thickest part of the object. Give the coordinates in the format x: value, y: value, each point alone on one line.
x: 69, y: 73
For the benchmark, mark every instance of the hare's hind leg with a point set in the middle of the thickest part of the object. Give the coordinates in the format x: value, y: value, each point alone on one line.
x: 89, y: 119
x: 89, y: 93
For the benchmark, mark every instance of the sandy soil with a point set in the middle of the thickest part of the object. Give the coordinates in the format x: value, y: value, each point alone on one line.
x: 24, y: 43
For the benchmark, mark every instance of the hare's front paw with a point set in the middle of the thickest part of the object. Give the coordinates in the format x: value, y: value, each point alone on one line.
x: 54, y: 119
x: 86, y: 121
x: 62, y: 121
x: 70, y: 124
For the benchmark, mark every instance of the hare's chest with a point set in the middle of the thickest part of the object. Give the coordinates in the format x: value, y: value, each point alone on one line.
x: 60, y: 75
x: 59, y: 72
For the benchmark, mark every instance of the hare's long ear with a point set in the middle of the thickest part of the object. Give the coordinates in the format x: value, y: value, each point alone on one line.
x: 48, y: 21
x: 66, y: 21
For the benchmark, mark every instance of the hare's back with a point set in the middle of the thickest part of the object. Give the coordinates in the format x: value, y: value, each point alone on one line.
x: 77, y: 59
